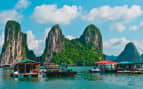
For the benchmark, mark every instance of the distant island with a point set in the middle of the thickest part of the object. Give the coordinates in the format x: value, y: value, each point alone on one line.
x: 81, y: 51
x: 129, y: 54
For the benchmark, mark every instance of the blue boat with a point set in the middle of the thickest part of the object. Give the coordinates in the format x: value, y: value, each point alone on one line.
x: 96, y: 71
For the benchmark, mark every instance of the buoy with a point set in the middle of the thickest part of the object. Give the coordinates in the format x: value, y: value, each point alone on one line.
x: 29, y: 76
x: 20, y: 76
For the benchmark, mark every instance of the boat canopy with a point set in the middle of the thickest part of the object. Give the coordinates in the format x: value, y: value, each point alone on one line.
x: 126, y: 62
x: 27, y: 60
x: 106, y: 62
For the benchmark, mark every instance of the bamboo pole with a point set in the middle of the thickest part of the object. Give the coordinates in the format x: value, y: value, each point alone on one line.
x: 25, y: 68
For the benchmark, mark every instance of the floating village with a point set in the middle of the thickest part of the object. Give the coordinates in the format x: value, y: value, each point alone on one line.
x: 84, y: 51
x: 29, y: 68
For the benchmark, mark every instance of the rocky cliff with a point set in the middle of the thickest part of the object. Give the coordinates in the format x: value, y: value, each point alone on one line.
x: 15, y: 45
x: 54, y: 42
x: 93, y: 35
x: 83, y: 51
x: 130, y: 53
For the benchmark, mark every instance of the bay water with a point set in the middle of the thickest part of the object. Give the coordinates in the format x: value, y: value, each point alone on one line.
x: 82, y: 80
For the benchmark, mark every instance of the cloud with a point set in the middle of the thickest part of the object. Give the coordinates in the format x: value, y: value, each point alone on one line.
x: 70, y: 37
x: 114, y: 46
x: 116, y: 43
x: 119, y: 15
x: 136, y: 27
x: 1, y: 40
x: 46, y: 14
x: 13, y: 14
x: 22, y: 4
x: 139, y: 45
x: 37, y: 45
x: 34, y: 44
x: 9, y: 15
x: 118, y: 26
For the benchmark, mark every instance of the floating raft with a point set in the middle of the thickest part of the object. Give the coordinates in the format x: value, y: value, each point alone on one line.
x: 26, y: 68
x: 21, y: 75
x: 133, y: 72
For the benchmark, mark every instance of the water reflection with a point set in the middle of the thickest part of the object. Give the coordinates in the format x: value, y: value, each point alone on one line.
x: 82, y: 74
x: 5, y: 74
x: 82, y: 79
x: 29, y: 79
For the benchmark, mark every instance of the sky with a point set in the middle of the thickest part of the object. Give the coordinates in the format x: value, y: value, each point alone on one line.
x: 119, y: 21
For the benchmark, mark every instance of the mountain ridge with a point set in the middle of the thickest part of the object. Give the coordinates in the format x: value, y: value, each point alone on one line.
x: 81, y: 51
x: 129, y: 53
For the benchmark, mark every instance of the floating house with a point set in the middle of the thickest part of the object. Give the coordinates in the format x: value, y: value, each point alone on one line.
x: 26, y: 68
x: 104, y: 66
x: 130, y: 67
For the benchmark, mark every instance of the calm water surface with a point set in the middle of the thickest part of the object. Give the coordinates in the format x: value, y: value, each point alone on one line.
x: 83, y: 80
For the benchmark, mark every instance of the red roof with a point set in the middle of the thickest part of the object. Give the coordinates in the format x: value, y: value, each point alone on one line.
x: 106, y: 62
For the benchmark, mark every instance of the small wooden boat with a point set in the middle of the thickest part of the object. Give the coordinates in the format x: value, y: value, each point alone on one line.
x: 55, y: 70
x: 59, y: 73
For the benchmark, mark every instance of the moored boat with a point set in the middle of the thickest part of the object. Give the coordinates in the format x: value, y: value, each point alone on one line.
x: 54, y: 70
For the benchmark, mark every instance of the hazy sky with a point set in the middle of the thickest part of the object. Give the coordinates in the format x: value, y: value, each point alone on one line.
x: 120, y: 21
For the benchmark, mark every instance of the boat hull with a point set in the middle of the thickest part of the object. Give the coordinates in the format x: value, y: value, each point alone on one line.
x: 96, y: 71
x: 56, y: 74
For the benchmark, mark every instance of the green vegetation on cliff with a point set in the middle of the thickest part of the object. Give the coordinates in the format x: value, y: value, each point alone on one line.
x: 74, y: 52
x: 83, y: 51
x: 92, y: 34
x: 25, y: 51
x: 12, y: 27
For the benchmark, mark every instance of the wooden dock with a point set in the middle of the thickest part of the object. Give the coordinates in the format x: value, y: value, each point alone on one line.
x: 132, y: 72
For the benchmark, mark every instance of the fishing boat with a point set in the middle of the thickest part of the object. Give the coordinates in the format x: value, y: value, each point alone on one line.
x: 104, y: 67
x: 54, y: 70
x: 26, y: 68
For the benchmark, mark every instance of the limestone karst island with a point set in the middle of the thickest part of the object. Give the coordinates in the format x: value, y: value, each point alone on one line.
x: 71, y: 44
